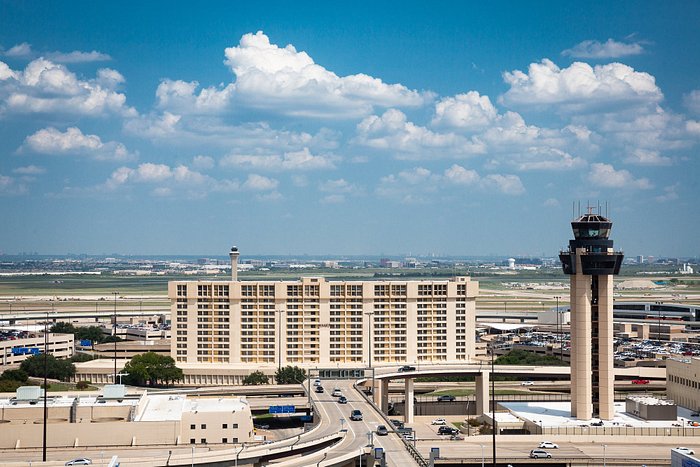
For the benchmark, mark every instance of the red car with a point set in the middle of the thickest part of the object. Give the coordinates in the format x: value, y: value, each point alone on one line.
x: 640, y: 381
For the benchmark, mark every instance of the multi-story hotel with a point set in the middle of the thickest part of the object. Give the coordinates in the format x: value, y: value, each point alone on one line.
x: 315, y: 323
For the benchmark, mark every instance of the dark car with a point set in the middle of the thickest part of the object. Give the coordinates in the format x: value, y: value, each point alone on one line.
x: 356, y: 415
x: 342, y: 400
x: 319, y: 389
x: 397, y: 423
x: 407, y: 368
x: 446, y: 398
x: 598, y: 423
x: 382, y: 431
x: 447, y: 430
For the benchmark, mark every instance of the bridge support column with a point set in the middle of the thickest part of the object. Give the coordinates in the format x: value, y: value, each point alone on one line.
x: 409, y: 394
x: 381, y: 395
x: 482, y: 393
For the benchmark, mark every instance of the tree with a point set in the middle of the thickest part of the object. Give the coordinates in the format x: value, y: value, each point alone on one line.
x: 108, y: 339
x: 91, y: 333
x: 523, y: 357
x: 62, y: 328
x: 81, y: 357
x: 152, y: 369
x: 256, y: 377
x: 290, y: 375
x: 15, y: 375
x: 56, y: 369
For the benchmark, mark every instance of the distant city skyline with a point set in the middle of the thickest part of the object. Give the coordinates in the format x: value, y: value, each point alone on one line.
x: 362, y: 129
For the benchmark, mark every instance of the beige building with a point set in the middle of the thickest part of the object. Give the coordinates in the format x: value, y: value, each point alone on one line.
x: 683, y: 382
x: 15, y: 351
x: 314, y: 323
x: 118, y: 419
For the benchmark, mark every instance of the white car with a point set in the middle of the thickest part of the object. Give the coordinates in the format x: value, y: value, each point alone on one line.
x: 548, y: 445
x: 439, y: 421
x: 527, y: 383
x: 80, y: 461
x: 317, y: 382
x: 336, y: 393
x: 685, y: 451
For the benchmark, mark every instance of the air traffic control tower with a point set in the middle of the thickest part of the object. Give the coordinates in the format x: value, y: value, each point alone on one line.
x: 591, y: 262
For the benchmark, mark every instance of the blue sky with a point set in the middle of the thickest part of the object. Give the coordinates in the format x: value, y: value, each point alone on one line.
x: 400, y: 128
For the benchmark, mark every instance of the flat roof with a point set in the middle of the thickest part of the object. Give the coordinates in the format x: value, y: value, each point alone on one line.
x: 171, y: 407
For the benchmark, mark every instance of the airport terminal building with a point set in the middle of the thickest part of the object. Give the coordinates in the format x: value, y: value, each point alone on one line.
x: 315, y: 323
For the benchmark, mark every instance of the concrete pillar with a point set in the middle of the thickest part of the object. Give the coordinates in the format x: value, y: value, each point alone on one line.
x: 381, y: 394
x: 605, y: 347
x: 482, y: 393
x: 234, y: 254
x: 409, y: 394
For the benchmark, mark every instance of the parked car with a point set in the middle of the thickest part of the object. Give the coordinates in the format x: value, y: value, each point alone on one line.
x: 539, y: 454
x: 695, y: 414
x: 640, y: 381
x: 446, y: 398
x: 342, y: 400
x: 336, y: 393
x: 527, y: 383
x: 382, y: 431
x: 317, y: 382
x: 439, y: 421
x: 548, y: 445
x: 683, y: 450
x: 407, y: 368
x: 356, y: 415
x: 598, y: 423
x: 447, y: 430
x: 409, y: 436
x: 80, y: 461
x: 319, y: 389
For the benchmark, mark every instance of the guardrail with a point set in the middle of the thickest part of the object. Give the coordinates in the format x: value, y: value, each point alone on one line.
x: 409, y: 447
x: 578, y: 461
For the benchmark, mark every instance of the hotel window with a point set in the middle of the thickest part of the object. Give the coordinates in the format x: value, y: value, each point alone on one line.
x: 336, y: 290
x: 247, y: 290
x: 294, y: 290
x: 381, y: 290
x: 203, y: 290
x: 182, y: 290
x: 425, y: 289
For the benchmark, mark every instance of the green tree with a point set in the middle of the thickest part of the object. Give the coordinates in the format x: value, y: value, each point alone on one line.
x: 56, y: 369
x: 91, y: 333
x: 290, y: 375
x: 81, y: 357
x: 523, y: 357
x: 108, y: 339
x: 152, y: 369
x: 15, y: 375
x: 62, y: 328
x: 9, y: 385
x: 256, y: 377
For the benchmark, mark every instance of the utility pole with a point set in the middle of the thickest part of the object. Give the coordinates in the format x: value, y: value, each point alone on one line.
x: 46, y: 385
x: 493, y: 407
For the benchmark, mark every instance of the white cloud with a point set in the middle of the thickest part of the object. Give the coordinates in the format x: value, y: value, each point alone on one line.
x: 339, y: 187
x: 256, y: 182
x: 296, y: 160
x: 29, y: 170
x: 580, y: 87
x: 646, y: 157
x: 6, y: 72
x: 78, y: 57
x: 545, y: 158
x: 289, y: 82
x: 180, y: 96
x: 506, y: 184
x: 333, y: 199
x: 74, y: 142
x: 20, y: 50
x: 48, y: 87
x: 394, y: 132
x: 670, y: 193
x: 203, y: 162
x: 608, y: 49
x: 690, y: 100
x: 162, y: 126
x: 551, y: 203
x: 461, y: 176
x: 605, y: 175
x: 467, y: 111
x: 10, y: 186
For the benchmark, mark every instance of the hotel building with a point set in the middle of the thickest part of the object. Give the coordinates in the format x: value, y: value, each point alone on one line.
x: 315, y: 323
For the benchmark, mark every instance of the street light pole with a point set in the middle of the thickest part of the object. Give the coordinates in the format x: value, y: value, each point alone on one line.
x: 493, y: 407
x: 46, y: 385
x: 114, y: 332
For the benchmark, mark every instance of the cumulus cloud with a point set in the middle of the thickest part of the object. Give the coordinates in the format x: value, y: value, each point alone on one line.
x: 608, y: 49
x: 48, y: 87
x: 417, y: 184
x: 393, y: 131
x: 203, y: 162
x: 20, y: 50
x: 690, y: 100
x: 468, y: 111
x: 29, y: 170
x: 296, y: 160
x: 580, y: 87
x: 11, y: 186
x: 647, y: 157
x: 670, y: 193
x: 74, y: 142
x: 545, y: 158
x: 256, y: 182
x: 605, y: 175
x: 180, y: 96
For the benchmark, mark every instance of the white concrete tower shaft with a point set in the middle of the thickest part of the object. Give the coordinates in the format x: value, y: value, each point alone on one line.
x: 234, y: 254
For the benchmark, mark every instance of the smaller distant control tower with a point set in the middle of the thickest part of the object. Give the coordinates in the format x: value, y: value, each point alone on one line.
x: 234, y: 254
x: 591, y: 262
